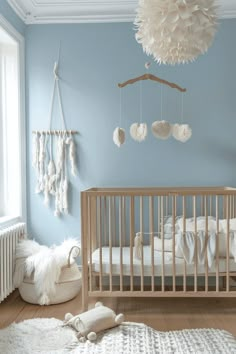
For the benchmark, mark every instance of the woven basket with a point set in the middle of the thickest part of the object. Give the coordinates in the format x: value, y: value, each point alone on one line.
x: 68, y: 286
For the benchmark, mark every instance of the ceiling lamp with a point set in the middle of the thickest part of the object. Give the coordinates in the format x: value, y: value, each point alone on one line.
x: 176, y: 31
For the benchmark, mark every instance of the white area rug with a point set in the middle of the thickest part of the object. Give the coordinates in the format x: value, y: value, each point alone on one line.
x: 47, y: 336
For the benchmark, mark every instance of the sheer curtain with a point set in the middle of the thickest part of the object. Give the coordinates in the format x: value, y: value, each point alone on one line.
x: 9, y: 133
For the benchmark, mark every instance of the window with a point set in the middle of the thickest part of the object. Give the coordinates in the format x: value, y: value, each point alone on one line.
x: 12, y: 129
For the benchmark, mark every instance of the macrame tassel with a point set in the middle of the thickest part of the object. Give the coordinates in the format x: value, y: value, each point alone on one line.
x: 72, y: 155
x: 36, y: 148
x: 65, y: 196
x: 57, y: 204
x: 42, y: 155
x: 36, y: 151
x: 60, y: 155
x: 46, y: 190
x: 52, y: 177
x: 61, y: 196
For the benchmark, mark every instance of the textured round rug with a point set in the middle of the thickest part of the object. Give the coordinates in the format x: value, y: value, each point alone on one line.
x: 48, y: 336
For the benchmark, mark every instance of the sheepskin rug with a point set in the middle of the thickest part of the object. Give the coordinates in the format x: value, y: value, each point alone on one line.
x: 48, y: 336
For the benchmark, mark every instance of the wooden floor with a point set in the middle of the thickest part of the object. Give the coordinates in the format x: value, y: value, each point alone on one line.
x: 161, y: 314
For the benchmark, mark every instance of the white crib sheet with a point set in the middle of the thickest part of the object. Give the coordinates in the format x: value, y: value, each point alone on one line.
x: 168, y: 268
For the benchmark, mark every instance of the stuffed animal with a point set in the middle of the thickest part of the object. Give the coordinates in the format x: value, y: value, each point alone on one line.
x: 89, y: 323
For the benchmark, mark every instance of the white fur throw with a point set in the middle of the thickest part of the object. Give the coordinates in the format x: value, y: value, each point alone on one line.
x: 44, y: 263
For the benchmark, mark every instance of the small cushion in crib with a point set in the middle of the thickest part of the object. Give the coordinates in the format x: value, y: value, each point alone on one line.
x: 89, y: 323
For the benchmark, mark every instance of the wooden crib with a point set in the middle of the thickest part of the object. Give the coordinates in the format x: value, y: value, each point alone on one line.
x: 113, y: 217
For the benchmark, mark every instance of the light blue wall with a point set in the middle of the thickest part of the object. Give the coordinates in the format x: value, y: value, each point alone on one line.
x: 94, y: 58
x: 10, y: 15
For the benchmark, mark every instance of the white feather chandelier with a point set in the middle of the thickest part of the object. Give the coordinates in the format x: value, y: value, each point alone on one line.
x: 176, y: 31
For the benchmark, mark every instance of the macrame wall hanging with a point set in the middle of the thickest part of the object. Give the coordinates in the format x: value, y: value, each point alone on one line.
x: 51, y: 151
x: 161, y: 129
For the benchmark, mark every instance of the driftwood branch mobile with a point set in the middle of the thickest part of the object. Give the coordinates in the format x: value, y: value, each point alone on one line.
x: 160, y: 129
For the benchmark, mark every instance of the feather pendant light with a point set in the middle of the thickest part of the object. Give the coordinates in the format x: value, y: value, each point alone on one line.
x: 175, y: 31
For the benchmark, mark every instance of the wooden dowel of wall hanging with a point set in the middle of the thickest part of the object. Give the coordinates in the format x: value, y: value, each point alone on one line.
x: 55, y: 132
x: 153, y: 78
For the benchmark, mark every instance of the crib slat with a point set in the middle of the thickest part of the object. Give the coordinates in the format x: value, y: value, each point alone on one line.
x: 173, y: 240
x: 233, y: 207
x: 85, y: 212
x: 131, y: 243
x: 196, y: 243
x: 124, y: 220
x: 206, y: 242
x: 90, y: 243
x: 100, y: 240
x: 184, y: 235
x: 151, y: 227
x: 113, y: 221
x: 227, y: 248
x: 120, y: 239
x: 105, y: 220
x: 162, y: 247
x: 110, y: 240
x: 217, y: 243
x: 141, y: 231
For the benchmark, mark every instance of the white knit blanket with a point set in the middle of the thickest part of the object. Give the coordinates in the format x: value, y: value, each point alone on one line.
x: 48, y: 336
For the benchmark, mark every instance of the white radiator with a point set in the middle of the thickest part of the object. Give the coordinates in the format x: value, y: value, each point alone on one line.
x: 9, y: 238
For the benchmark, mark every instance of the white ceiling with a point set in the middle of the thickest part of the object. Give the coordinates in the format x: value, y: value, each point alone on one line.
x: 77, y: 11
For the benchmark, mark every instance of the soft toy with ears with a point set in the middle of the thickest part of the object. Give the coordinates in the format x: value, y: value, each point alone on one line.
x: 89, y: 323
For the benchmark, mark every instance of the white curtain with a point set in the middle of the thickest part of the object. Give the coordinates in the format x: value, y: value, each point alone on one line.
x: 9, y: 134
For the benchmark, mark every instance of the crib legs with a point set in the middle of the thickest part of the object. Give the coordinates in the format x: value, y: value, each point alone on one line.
x: 85, y: 288
x: 84, y: 299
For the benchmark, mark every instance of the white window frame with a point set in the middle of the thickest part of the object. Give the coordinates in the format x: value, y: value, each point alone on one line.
x: 6, y: 220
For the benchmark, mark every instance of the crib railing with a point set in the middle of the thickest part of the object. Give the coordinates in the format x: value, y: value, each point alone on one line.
x: 111, y: 219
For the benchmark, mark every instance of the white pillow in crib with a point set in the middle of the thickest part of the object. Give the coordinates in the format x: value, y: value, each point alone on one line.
x: 223, y: 225
x: 223, y: 245
x: 201, y: 224
x: 167, y: 246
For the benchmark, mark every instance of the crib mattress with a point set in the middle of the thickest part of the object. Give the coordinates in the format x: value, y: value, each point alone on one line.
x: 147, y: 263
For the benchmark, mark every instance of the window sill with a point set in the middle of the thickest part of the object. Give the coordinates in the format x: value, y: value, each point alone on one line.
x: 7, y: 221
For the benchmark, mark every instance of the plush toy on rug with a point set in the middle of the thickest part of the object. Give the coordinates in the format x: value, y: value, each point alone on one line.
x: 89, y: 323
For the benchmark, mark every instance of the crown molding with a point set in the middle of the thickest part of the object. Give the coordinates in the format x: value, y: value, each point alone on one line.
x: 90, y: 11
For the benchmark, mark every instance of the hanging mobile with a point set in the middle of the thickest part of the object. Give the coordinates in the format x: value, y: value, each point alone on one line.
x: 182, y: 132
x: 119, y: 133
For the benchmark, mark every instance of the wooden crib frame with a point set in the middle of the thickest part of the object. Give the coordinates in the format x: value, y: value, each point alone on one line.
x: 112, y: 216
